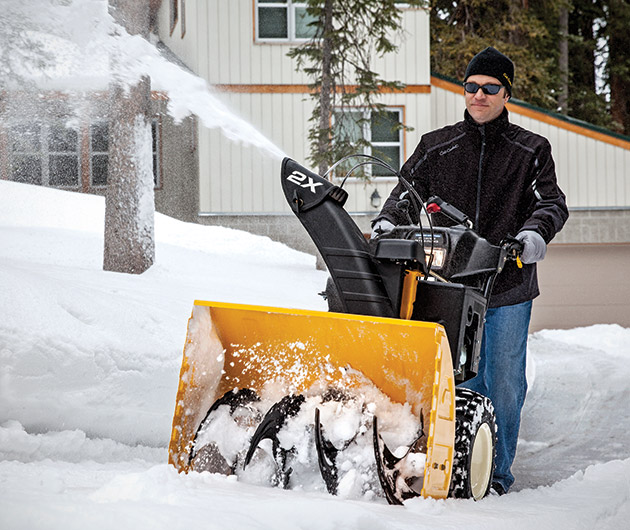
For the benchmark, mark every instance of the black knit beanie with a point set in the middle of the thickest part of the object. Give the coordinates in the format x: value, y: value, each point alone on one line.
x: 493, y: 63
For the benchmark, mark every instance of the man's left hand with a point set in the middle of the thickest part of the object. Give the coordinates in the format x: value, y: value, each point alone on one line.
x: 534, y: 246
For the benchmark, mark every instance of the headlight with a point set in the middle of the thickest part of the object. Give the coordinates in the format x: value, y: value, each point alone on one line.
x: 438, y: 256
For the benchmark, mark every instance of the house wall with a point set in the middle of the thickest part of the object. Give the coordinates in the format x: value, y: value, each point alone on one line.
x: 582, y: 285
x: 259, y: 83
x: 177, y: 190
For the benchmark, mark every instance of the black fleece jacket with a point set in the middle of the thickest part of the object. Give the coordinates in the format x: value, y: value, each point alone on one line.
x: 502, y: 176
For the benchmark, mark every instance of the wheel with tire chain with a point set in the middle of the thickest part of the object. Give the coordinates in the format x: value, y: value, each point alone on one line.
x: 475, y: 445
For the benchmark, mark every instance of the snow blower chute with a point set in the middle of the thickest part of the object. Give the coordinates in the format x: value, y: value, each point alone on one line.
x: 406, y: 317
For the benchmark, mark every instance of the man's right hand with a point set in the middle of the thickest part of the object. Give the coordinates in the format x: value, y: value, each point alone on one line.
x: 381, y: 226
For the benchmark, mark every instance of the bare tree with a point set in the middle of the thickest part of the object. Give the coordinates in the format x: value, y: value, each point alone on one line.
x: 129, y: 203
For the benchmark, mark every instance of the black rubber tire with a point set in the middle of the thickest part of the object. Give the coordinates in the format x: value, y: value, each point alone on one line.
x: 475, y: 445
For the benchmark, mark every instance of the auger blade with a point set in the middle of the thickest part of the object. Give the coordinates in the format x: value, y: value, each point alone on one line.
x: 392, y: 471
x: 269, y: 427
x: 208, y: 457
x: 233, y: 398
x: 326, y: 457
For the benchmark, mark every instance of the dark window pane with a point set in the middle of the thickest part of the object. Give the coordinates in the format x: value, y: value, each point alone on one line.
x: 63, y: 170
x: 272, y: 23
x: 154, y: 135
x: 25, y: 138
x: 27, y: 169
x: 383, y: 127
x: 302, y: 21
x: 100, y: 137
x: 390, y: 154
x: 62, y: 139
x: 348, y: 126
x: 99, y: 170
x: 156, y: 181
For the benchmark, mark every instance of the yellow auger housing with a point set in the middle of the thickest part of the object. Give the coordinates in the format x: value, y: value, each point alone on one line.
x: 290, y: 351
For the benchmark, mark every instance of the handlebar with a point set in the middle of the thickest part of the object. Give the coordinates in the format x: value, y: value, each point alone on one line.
x: 514, y: 249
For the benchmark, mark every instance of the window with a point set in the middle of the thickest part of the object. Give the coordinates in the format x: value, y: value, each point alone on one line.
x: 51, y: 154
x: 45, y: 154
x: 283, y: 20
x: 382, y: 130
x: 99, y: 146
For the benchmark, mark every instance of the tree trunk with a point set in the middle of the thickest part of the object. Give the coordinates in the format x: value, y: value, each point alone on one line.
x: 619, y: 63
x: 129, y: 204
x: 563, y: 61
x: 326, y: 86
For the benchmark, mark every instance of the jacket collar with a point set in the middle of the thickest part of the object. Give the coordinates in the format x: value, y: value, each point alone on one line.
x: 492, y: 128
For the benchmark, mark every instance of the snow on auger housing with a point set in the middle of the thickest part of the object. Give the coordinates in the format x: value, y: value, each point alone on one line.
x: 406, y: 320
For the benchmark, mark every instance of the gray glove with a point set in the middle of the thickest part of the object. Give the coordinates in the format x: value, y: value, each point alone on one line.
x: 382, y: 225
x: 534, y: 246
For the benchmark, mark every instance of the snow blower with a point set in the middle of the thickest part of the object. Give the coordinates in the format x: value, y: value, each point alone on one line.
x: 406, y: 315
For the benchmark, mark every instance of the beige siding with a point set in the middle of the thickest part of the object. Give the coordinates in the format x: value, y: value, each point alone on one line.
x: 593, y: 173
x: 239, y: 179
x: 242, y: 179
x: 220, y: 46
x: 410, y: 63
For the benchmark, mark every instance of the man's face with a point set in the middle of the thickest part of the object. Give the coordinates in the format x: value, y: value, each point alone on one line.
x: 485, y: 107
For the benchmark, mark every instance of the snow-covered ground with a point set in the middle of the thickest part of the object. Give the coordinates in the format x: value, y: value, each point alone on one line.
x: 89, y: 365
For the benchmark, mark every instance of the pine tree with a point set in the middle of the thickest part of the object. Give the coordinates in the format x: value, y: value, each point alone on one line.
x: 460, y: 29
x: 618, y: 64
x: 339, y: 60
x: 558, y: 47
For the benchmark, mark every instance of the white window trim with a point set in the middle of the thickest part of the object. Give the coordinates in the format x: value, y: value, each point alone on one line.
x: 290, y: 6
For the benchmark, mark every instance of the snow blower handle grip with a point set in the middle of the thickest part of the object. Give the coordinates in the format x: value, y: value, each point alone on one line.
x: 514, y: 249
x: 437, y: 205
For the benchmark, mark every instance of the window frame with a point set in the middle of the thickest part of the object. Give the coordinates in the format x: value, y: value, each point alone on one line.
x: 367, y: 136
x: 291, y: 7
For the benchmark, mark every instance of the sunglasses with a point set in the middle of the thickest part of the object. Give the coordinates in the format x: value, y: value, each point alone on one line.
x: 492, y: 90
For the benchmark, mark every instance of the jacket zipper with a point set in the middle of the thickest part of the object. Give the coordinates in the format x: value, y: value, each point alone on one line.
x: 482, y: 130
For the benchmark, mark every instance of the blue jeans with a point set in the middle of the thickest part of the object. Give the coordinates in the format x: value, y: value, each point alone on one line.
x: 502, y: 378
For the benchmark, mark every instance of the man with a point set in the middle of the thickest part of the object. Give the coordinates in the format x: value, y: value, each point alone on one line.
x: 503, y: 177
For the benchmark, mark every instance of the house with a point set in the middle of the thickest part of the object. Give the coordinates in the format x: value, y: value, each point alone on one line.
x: 240, y: 48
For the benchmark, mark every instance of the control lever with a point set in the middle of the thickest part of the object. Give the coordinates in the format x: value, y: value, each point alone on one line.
x: 437, y: 205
